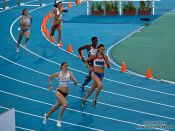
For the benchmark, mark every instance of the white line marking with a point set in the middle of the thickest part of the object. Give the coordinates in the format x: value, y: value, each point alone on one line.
x: 128, y: 109
x: 128, y: 71
x: 29, y: 5
x: 17, y: 5
x: 135, y: 98
x: 26, y: 113
x: 100, y: 116
x: 3, y: 1
x: 26, y: 129
x: 130, y: 85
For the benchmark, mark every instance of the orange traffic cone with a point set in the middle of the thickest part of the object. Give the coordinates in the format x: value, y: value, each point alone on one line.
x: 70, y: 48
x: 46, y: 18
x: 43, y: 29
x: 149, y: 74
x: 60, y: 44
x: 44, y: 22
x: 52, y: 39
x: 49, y: 14
x: 123, y: 67
x: 78, y: 2
x: 47, y: 33
x: 70, y: 4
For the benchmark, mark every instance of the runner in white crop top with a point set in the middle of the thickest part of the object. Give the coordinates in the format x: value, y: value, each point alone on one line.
x: 64, y: 77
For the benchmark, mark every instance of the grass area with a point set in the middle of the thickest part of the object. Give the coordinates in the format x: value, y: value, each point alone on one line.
x: 153, y: 47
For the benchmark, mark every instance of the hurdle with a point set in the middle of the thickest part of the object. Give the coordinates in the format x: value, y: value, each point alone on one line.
x: 5, y: 7
x: 120, y: 4
x: 66, y: 2
x: 23, y: 4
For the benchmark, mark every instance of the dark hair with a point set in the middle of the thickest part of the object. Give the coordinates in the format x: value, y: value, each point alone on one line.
x: 101, y: 45
x: 93, y: 38
x: 24, y: 10
x: 57, y: 4
x: 62, y: 64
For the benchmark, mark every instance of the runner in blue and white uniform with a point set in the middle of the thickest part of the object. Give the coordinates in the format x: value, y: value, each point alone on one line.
x: 100, y: 61
x: 92, y: 50
x: 64, y: 78
x: 25, y: 24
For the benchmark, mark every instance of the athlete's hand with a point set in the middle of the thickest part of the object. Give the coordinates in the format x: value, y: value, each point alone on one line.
x: 50, y: 87
x: 109, y: 66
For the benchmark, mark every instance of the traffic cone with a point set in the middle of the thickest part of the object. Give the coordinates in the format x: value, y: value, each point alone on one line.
x: 70, y: 48
x: 123, y: 67
x: 52, y: 39
x: 47, y: 33
x: 44, y: 29
x: 46, y: 19
x: 149, y: 74
x: 70, y: 4
x: 78, y: 2
x: 49, y: 14
x: 60, y: 44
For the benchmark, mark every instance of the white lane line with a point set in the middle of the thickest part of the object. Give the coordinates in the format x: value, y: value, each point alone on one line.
x: 3, y: 1
x: 11, y: 33
x: 30, y: 5
x: 91, y: 114
x: 38, y: 116
x: 122, y: 83
x: 26, y: 129
x: 135, y: 98
x: 119, y: 107
x: 128, y: 71
x: 17, y: 5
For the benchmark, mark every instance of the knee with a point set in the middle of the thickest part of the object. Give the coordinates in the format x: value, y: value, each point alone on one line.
x: 64, y: 105
x: 55, y: 107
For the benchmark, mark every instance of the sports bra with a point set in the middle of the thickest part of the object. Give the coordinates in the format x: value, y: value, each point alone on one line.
x: 26, y: 20
x: 58, y: 13
x: 99, y: 62
x: 64, y: 80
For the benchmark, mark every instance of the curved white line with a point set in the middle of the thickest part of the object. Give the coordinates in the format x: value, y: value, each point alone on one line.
x: 17, y: 5
x: 129, y: 71
x: 114, y: 106
x: 26, y: 113
x: 91, y: 114
x: 113, y: 93
x: 130, y: 85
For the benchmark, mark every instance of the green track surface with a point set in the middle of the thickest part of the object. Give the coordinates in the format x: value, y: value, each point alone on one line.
x: 153, y: 46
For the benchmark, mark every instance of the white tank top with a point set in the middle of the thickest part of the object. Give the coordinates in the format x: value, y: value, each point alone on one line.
x: 93, y: 51
x: 26, y: 20
x: 58, y: 13
x: 64, y: 80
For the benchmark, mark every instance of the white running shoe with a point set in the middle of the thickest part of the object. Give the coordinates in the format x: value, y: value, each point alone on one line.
x: 59, y: 123
x: 25, y: 46
x: 17, y: 50
x: 45, y: 119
